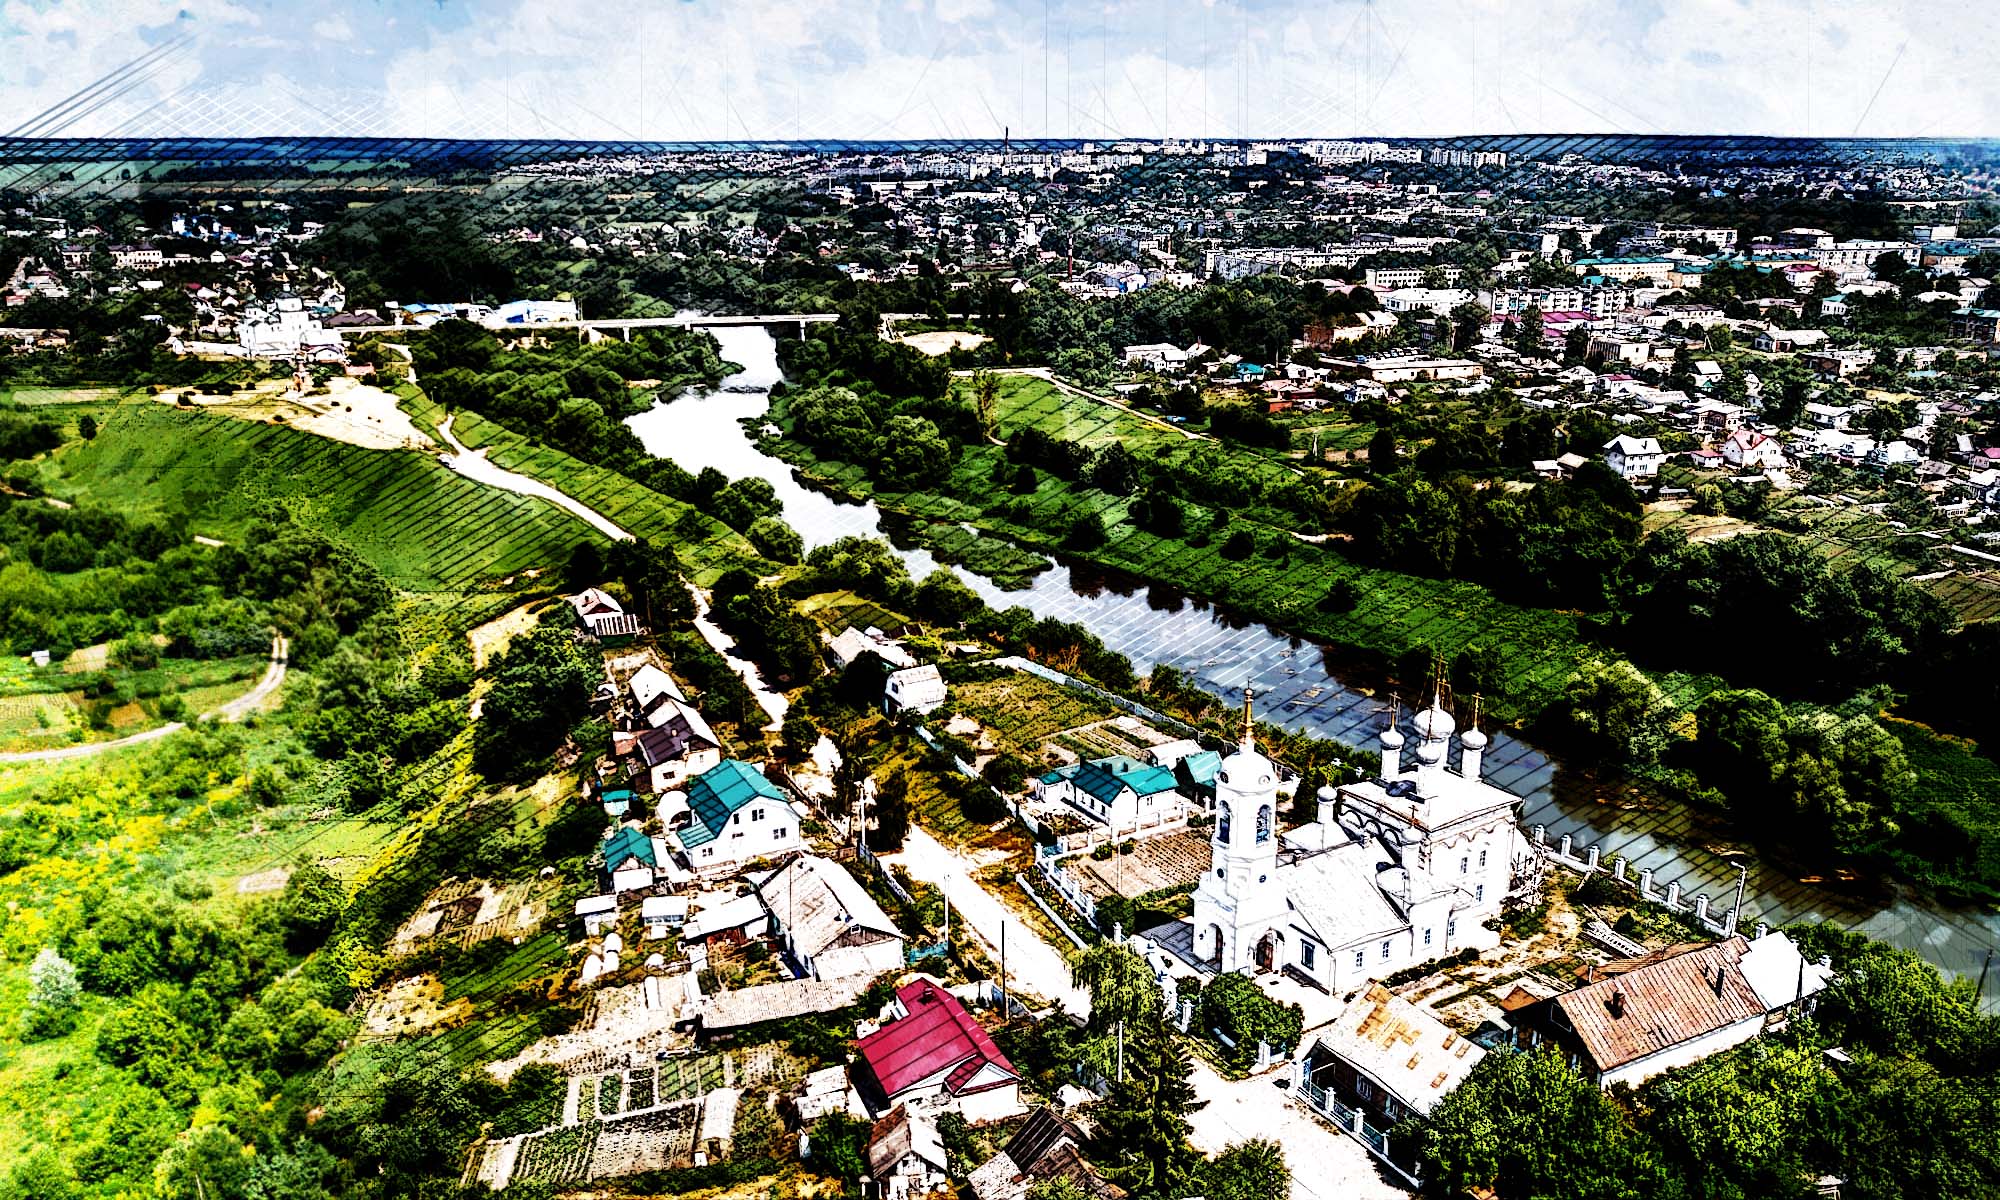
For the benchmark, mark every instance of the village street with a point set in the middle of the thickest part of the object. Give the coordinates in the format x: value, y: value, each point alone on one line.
x: 1326, y: 1164
x: 1033, y: 965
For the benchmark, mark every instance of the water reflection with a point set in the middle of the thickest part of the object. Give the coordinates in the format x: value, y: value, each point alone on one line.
x: 1225, y: 652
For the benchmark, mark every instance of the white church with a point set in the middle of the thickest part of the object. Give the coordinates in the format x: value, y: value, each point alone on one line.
x: 1396, y: 871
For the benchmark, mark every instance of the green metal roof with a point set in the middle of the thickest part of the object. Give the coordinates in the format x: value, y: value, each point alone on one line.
x: 1104, y: 778
x: 1201, y: 769
x: 717, y: 793
x: 628, y: 843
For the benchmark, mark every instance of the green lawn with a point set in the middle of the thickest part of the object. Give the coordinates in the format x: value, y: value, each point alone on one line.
x: 427, y: 528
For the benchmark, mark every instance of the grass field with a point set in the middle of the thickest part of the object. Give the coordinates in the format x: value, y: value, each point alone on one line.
x: 706, y: 546
x: 427, y: 528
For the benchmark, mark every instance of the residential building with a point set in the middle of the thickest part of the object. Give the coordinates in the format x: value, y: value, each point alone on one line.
x: 914, y: 689
x: 1045, y: 1148
x: 1159, y: 356
x: 1119, y: 792
x: 905, y: 1158
x: 1673, y: 1007
x: 602, y: 617
x: 853, y: 643
x: 934, y: 1056
x: 1861, y: 253
x: 1634, y: 457
x: 829, y: 923
x: 631, y: 858
x: 1409, y: 368
x: 1624, y: 270
x: 1976, y: 325
x: 662, y: 758
x: 1422, y: 299
x: 1387, y: 1057
x: 1838, y: 364
x: 1786, y: 341
x: 1749, y: 450
x: 1381, y: 279
x: 734, y: 816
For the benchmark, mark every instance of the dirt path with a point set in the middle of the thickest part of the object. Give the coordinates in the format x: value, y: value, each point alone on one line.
x: 473, y: 464
x: 234, y: 710
x: 1033, y: 965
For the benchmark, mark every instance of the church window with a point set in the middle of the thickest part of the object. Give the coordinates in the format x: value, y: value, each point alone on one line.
x: 1306, y: 954
x: 1427, y: 937
x: 1222, y: 823
x: 1464, y: 864
x: 1263, y: 824
x: 1360, y: 958
x: 1479, y: 893
x: 1385, y: 952
x: 1451, y: 928
x: 1482, y: 858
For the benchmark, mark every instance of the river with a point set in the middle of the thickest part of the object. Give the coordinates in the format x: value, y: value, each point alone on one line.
x: 1295, y: 688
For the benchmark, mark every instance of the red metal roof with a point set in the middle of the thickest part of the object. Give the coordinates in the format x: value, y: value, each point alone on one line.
x: 937, y: 1036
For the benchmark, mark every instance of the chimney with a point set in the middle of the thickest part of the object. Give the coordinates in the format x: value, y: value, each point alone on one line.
x: 1718, y: 981
x: 1618, y: 1001
x: 1328, y: 801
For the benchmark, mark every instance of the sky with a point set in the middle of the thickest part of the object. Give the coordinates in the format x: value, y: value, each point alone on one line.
x: 722, y: 70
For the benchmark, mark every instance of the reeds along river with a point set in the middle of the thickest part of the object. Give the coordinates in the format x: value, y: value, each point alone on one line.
x: 1296, y: 687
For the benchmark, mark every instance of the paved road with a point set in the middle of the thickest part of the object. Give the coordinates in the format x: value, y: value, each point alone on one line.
x: 1033, y: 966
x: 691, y: 320
x: 1325, y: 1163
x: 234, y: 710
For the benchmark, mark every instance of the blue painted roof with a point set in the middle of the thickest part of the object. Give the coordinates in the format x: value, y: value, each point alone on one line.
x: 717, y: 793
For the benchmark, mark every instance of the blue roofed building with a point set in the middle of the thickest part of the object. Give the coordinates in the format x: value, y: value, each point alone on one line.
x: 734, y: 816
x: 632, y: 859
x: 1196, y: 776
x: 1119, y: 792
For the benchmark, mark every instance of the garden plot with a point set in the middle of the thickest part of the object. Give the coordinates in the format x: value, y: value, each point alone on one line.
x: 653, y: 1141
x: 1174, y: 860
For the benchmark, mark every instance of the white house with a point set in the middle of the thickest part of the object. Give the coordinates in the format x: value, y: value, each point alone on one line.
x: 1673, y: 1007
x: 602, y: 616
x: 914, y: 689
x: 1387, y: 1056
x: 734, y: 816
x: 1157, y: 356
x: 1749, y: 450
x: 1634, y: 457
x: 1119, y: 792
x: 906, y: 1157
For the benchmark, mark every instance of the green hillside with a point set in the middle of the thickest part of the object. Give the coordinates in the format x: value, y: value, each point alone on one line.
x: 425, y: 527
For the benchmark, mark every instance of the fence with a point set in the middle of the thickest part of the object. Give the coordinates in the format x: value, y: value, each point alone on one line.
x: 881, y: 868
x: 1354, y: 1123
x: 1050, y: 867
x: 1014, y: 662
x: 1588, y: 863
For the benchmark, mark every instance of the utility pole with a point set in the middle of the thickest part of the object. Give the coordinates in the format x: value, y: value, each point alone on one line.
x: 1736, y: 910
x: 1003, y: 970
x: 1980, y: 994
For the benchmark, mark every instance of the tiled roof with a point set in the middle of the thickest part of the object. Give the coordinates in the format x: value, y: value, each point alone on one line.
x: 1667, y: 998
x: 937, y: 1037
x: 717, y: 793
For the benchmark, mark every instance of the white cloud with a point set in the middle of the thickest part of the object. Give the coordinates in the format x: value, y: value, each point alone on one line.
x: 966, y: 68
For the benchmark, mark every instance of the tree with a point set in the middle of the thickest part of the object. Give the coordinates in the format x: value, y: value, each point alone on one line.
x: 1252, y: 1170
x: 1142, y: 1127
x: 1528, y: 1126
x: 309, y: 906
x: 944, y: 597
x: 985, y: 398
x: 890, y: 813
x: 913, y: 454
x: 86, y: 427
x: 1235, y: 1006
x: 1576, y: 344
x: 1528, y: 332
x: 1615, y: 709
x: 1382, y: 456
x: 1122, y: 986
x: 54, y: 995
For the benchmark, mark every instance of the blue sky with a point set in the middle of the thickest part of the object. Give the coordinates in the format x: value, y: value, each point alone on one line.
x: 729, y: 69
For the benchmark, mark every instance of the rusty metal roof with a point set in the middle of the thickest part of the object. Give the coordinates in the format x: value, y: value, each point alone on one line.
x: 1665, y: 999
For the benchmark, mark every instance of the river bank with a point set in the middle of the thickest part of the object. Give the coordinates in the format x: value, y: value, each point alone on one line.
x: 1308, y: 686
